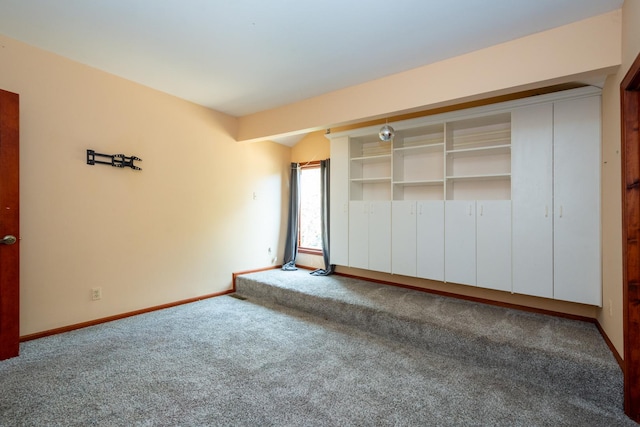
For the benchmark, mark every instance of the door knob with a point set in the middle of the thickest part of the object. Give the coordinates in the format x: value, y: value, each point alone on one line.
x: 8, y: 240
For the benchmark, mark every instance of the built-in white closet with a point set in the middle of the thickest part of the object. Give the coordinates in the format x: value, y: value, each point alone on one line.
x: 505, y: 197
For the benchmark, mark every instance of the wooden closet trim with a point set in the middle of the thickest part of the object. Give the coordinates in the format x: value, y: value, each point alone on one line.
x: 630, y: 123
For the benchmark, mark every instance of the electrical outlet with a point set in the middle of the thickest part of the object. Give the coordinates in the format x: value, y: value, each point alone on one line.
x: 96, y: 293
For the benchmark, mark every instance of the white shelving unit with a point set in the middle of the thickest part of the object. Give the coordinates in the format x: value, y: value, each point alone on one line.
x: 370, y: 169
x: 478, y: 158
x: 452, y: 160
x: 418, y: 164
x: 485, y: 197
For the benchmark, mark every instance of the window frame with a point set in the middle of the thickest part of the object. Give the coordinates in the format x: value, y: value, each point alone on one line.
x: 314, y: 164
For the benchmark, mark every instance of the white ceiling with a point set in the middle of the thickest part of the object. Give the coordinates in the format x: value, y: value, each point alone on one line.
x: 244, y: 56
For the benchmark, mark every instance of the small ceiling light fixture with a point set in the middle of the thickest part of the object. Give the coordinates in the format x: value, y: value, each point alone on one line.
x: 386, y: 133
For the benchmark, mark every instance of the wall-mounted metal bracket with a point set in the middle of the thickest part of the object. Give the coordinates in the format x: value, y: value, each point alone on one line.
x: 116, y: 160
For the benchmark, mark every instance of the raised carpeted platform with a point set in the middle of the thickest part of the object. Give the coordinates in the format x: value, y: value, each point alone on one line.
x: 562, y: 355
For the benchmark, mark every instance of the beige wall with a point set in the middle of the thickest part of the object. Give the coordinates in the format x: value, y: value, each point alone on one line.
x: 611, y: 316
x: 175, y: 230
x: 314, y: 146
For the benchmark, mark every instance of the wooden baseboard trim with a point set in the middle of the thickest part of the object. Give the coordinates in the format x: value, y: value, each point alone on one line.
x: 117, y: 317
x: 475, y: 299
x: 257, y: 270
x: 611, y: 346
x: 240, y: 273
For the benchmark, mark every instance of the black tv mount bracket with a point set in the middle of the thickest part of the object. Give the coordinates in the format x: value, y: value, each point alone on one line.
x: 117, y: 160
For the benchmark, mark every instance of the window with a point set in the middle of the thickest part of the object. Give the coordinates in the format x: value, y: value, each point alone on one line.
x: 309, y: 225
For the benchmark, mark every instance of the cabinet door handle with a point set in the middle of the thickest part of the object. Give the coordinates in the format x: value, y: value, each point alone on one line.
x: 560, y: 211
x: 546, y: 211
x: 469, y: 210
x: 412, y: 209
x: 481, y: 210
x: 420, y: 210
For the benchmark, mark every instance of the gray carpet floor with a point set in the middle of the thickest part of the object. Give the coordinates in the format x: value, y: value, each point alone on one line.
x: 228, y: 362
x: 551, y: 352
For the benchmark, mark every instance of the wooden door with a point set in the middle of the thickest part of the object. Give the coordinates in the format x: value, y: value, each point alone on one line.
x: 532, y: 199
x: 9, y: 222
x: 576, y: 192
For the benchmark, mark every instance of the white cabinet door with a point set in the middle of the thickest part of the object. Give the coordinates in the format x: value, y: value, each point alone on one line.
x: 380, y: 236
x: 430, y: 239
x: 370, y: 235
x: 339, y: 202
x: 403, y: 237
x: 359, y: 234
x: 577, y: 262
x: 532, y: 199
x: 493, y: 244
x: 460, y: 242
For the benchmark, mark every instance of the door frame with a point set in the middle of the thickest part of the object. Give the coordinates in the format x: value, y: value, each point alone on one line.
x: 9, y: 224
x: 630, y: 122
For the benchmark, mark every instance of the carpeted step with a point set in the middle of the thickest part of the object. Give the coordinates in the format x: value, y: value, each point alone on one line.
x: 566, y: 355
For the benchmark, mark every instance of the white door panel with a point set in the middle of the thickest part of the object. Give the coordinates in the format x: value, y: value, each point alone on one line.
x: 577, y: 261
x: 403, y: 237
x: 493, y: 246
x: 460, y: 242
x: 380, y: 236
x: 532, y: 199
x: 359, y: 234
x: 430, y: 239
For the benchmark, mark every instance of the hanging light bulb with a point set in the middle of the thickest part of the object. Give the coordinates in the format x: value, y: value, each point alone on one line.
x: 386, y: 133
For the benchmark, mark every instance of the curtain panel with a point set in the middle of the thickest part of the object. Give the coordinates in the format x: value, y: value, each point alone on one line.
x: 324, y: 217
x: 291, y: 242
